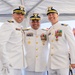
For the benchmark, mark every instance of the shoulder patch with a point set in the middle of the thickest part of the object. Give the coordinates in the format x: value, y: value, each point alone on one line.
x: 64, y: 24
x: 10, y: 21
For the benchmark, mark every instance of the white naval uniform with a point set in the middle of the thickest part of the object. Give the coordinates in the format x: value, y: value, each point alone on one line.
x: 37, y: 52
x: 11, y: 41
x: 58, y: 56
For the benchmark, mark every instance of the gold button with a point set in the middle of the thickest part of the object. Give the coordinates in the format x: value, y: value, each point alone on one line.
x: 36, y: 42
x: 29, y: 42
x: 52, y: 40
x: 36, y: 56
x: 36, y: 48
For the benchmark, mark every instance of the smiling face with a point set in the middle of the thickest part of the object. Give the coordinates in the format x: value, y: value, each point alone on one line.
x: 18, y: 17
x: 53, y: 18
x: 35, y: 24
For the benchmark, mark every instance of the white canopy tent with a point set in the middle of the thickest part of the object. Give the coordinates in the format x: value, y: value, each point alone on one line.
x: 66, y: 9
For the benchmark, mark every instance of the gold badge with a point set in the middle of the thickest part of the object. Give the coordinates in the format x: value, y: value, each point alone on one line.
x: 35, y: 14
x: 50, y: 8
x: 21, y: 8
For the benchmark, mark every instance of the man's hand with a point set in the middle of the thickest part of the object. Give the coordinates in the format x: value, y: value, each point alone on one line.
x: 6, y: 69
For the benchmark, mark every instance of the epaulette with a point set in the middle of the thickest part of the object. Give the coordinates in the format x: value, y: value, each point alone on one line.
x: 26, y: 29
x: 10, y: 21
x: 44, y: 29
x: 64, y: 24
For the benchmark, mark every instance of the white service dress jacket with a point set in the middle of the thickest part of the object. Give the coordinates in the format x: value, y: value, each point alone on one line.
x: 11, y: 42
x: 61, y: 41
x: 37, y: 50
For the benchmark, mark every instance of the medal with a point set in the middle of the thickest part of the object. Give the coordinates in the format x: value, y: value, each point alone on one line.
x: 43, y: 38
x: 58, y: 33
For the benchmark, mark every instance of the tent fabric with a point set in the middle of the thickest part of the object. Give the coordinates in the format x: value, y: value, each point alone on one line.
x: 65, y: 8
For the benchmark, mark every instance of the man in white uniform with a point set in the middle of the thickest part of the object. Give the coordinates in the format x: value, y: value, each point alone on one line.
x: 36, y: 45
x: 11, y: 41
x: 60, y: 37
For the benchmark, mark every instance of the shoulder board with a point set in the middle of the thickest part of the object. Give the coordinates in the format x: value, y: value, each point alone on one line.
x: 26, y: 29
x: 44, y: 29
x: 64, y: 24
x: 10, y: 21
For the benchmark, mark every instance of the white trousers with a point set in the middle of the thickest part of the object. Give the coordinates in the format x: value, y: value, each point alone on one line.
x: 6, y: 72
x: 64, y: 71
x: 35, y: 73
x: 18, y: 72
